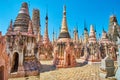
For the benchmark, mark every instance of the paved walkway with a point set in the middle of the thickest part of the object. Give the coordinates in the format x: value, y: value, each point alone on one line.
x: 83, y: 71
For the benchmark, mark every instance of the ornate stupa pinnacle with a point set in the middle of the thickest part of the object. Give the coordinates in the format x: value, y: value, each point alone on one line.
x: 104, y: 34
x: 85, y: 28
x: 91, y: 28
x: 22, y: 20
x: 92, y: 31
x: 46, y: 37
x: 53, y: 36
x: 30, y: 28
x: 64, y: 28
x: 64, y: 22
x: 92, y: 36
x: 86, y: 36
x: 113, y: 18
x: 36, y: 21
x: 104, y: 38
x: 10, y: 27
x: 76, y: 38
x: 46, y: 27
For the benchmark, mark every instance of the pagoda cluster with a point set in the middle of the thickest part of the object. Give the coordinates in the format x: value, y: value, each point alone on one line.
x: 87, y: 48
x: 24, y: 46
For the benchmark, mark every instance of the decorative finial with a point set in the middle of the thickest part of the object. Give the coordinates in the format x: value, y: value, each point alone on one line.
x: 64, y: 10
x: 46, y: 13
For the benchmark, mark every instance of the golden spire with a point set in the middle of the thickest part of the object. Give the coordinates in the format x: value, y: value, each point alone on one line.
x: 64, y: 27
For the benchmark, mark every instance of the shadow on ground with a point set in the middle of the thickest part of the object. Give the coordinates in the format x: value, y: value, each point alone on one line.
x: 80, y: 64
x: 50, y: 67
x: 46, y: 68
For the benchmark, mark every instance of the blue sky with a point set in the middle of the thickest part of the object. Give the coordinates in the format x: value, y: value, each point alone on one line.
x: 96, y: 12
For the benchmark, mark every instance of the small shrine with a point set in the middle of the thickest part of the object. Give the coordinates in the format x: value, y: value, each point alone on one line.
x: 64, y: 55
x: 107, y: 66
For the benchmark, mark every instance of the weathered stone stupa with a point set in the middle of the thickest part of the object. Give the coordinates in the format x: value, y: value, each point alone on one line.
x: 107, y: 65
x: 20, y: 42
x: 48, y: 49
x: 65, y: 56
x: 114, y: 28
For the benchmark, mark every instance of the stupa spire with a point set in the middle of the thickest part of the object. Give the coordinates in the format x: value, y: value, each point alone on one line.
x: 46, y: 37
x: 85, y: 27
x: 92, y: 36
x: 53, y: 36
x: 104, y: 34
x: 86, y: 36
x: 64, y: 22
x: 10, y: 27
x: 76, y: 38
x: 64, y: 28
